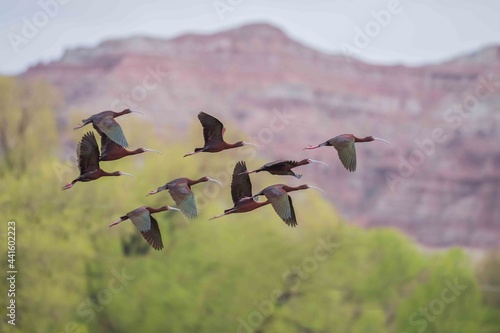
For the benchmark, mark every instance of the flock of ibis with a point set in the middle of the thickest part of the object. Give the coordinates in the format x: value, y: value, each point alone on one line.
x: 113, y: 144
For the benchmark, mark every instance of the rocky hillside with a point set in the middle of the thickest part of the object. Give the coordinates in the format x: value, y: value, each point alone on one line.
x: 439, y: 180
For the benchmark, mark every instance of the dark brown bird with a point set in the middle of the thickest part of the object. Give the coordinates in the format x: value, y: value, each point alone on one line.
x: 111, y: 151
x: 282, y: 202
x: 180, y: 191
x: 104, y: 123
x: 88, y: 162
x: 213, y: 132
x: 147, y: 224
x: 282, y: 167
x: 344, y: 144
x: 241, y: 192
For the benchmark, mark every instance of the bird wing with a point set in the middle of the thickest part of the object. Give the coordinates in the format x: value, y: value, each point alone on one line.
x: 347, y: 152
x: 282, y: 204
x: 148, y: 226
x: 107, y: 125
x: 87, y: 152
x: 108, y: 145
x: 184, y: 199
x: 241, y: 186
x: 213, y: 129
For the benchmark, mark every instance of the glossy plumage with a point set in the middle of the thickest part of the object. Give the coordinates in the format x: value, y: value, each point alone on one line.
x: 344, y: 144
x: 282, y: 202
x: 111, y: 151
x: 146, y: 224
x: 241, y: 192
x: 180, y: 191
x: 88, y: 162
x: 284, y: 167
x: 213, y: 132
x: 104, y: 123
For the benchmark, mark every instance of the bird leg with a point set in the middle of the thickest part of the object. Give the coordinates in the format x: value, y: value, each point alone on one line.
x: 246, y: 172
x: 311, y: 147
x: 191, y: 153
x: 115, y: 223
x: 68, y: 186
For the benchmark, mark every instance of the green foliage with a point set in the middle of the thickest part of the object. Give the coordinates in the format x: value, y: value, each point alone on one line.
x: 241, y: 273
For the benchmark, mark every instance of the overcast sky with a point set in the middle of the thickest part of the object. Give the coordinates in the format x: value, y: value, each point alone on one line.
x: 415, y: 32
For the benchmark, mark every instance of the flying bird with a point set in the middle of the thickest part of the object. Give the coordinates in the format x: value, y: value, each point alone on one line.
x: 213, y: 132
x: 180, y: 191
x: 88, y: 162
x: 282, y: 202
x: 282, y: 167
x: 241, y: 192
x: 344, y: 144
x: 111, y: 151
x: 147, y: 224
x: 104, y: 123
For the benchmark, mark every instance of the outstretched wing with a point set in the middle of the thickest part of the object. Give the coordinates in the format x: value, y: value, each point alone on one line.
x: 282, y: 204
x: 347, y: 151
x: 241, y: 186
x: 184, y: 199
x: 108, y: 146
x: 88, y: 153
x: 148, y: 227
x: 107, y: 125
x: 213, y: 130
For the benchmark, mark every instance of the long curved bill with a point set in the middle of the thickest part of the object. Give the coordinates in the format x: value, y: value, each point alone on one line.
x: 153, y: 150
x: 245, y: 173
x: 173, y: 208
x: 250, y: 144
x: 214, y: 180
x: 137, y: 112
x: 315, y: 161
x: 379, y: 139
x: 311, y: 147
x: 126, y: 174
x: 310, y: 186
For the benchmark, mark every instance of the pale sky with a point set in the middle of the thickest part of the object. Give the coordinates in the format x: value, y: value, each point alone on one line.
x: 417, y: 32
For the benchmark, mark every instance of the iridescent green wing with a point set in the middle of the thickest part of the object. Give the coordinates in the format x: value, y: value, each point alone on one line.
x: 148, y: 226
x: 107, y: 125
x: 282, y: 204
x: 184, y: 199
x: 347, y: 151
